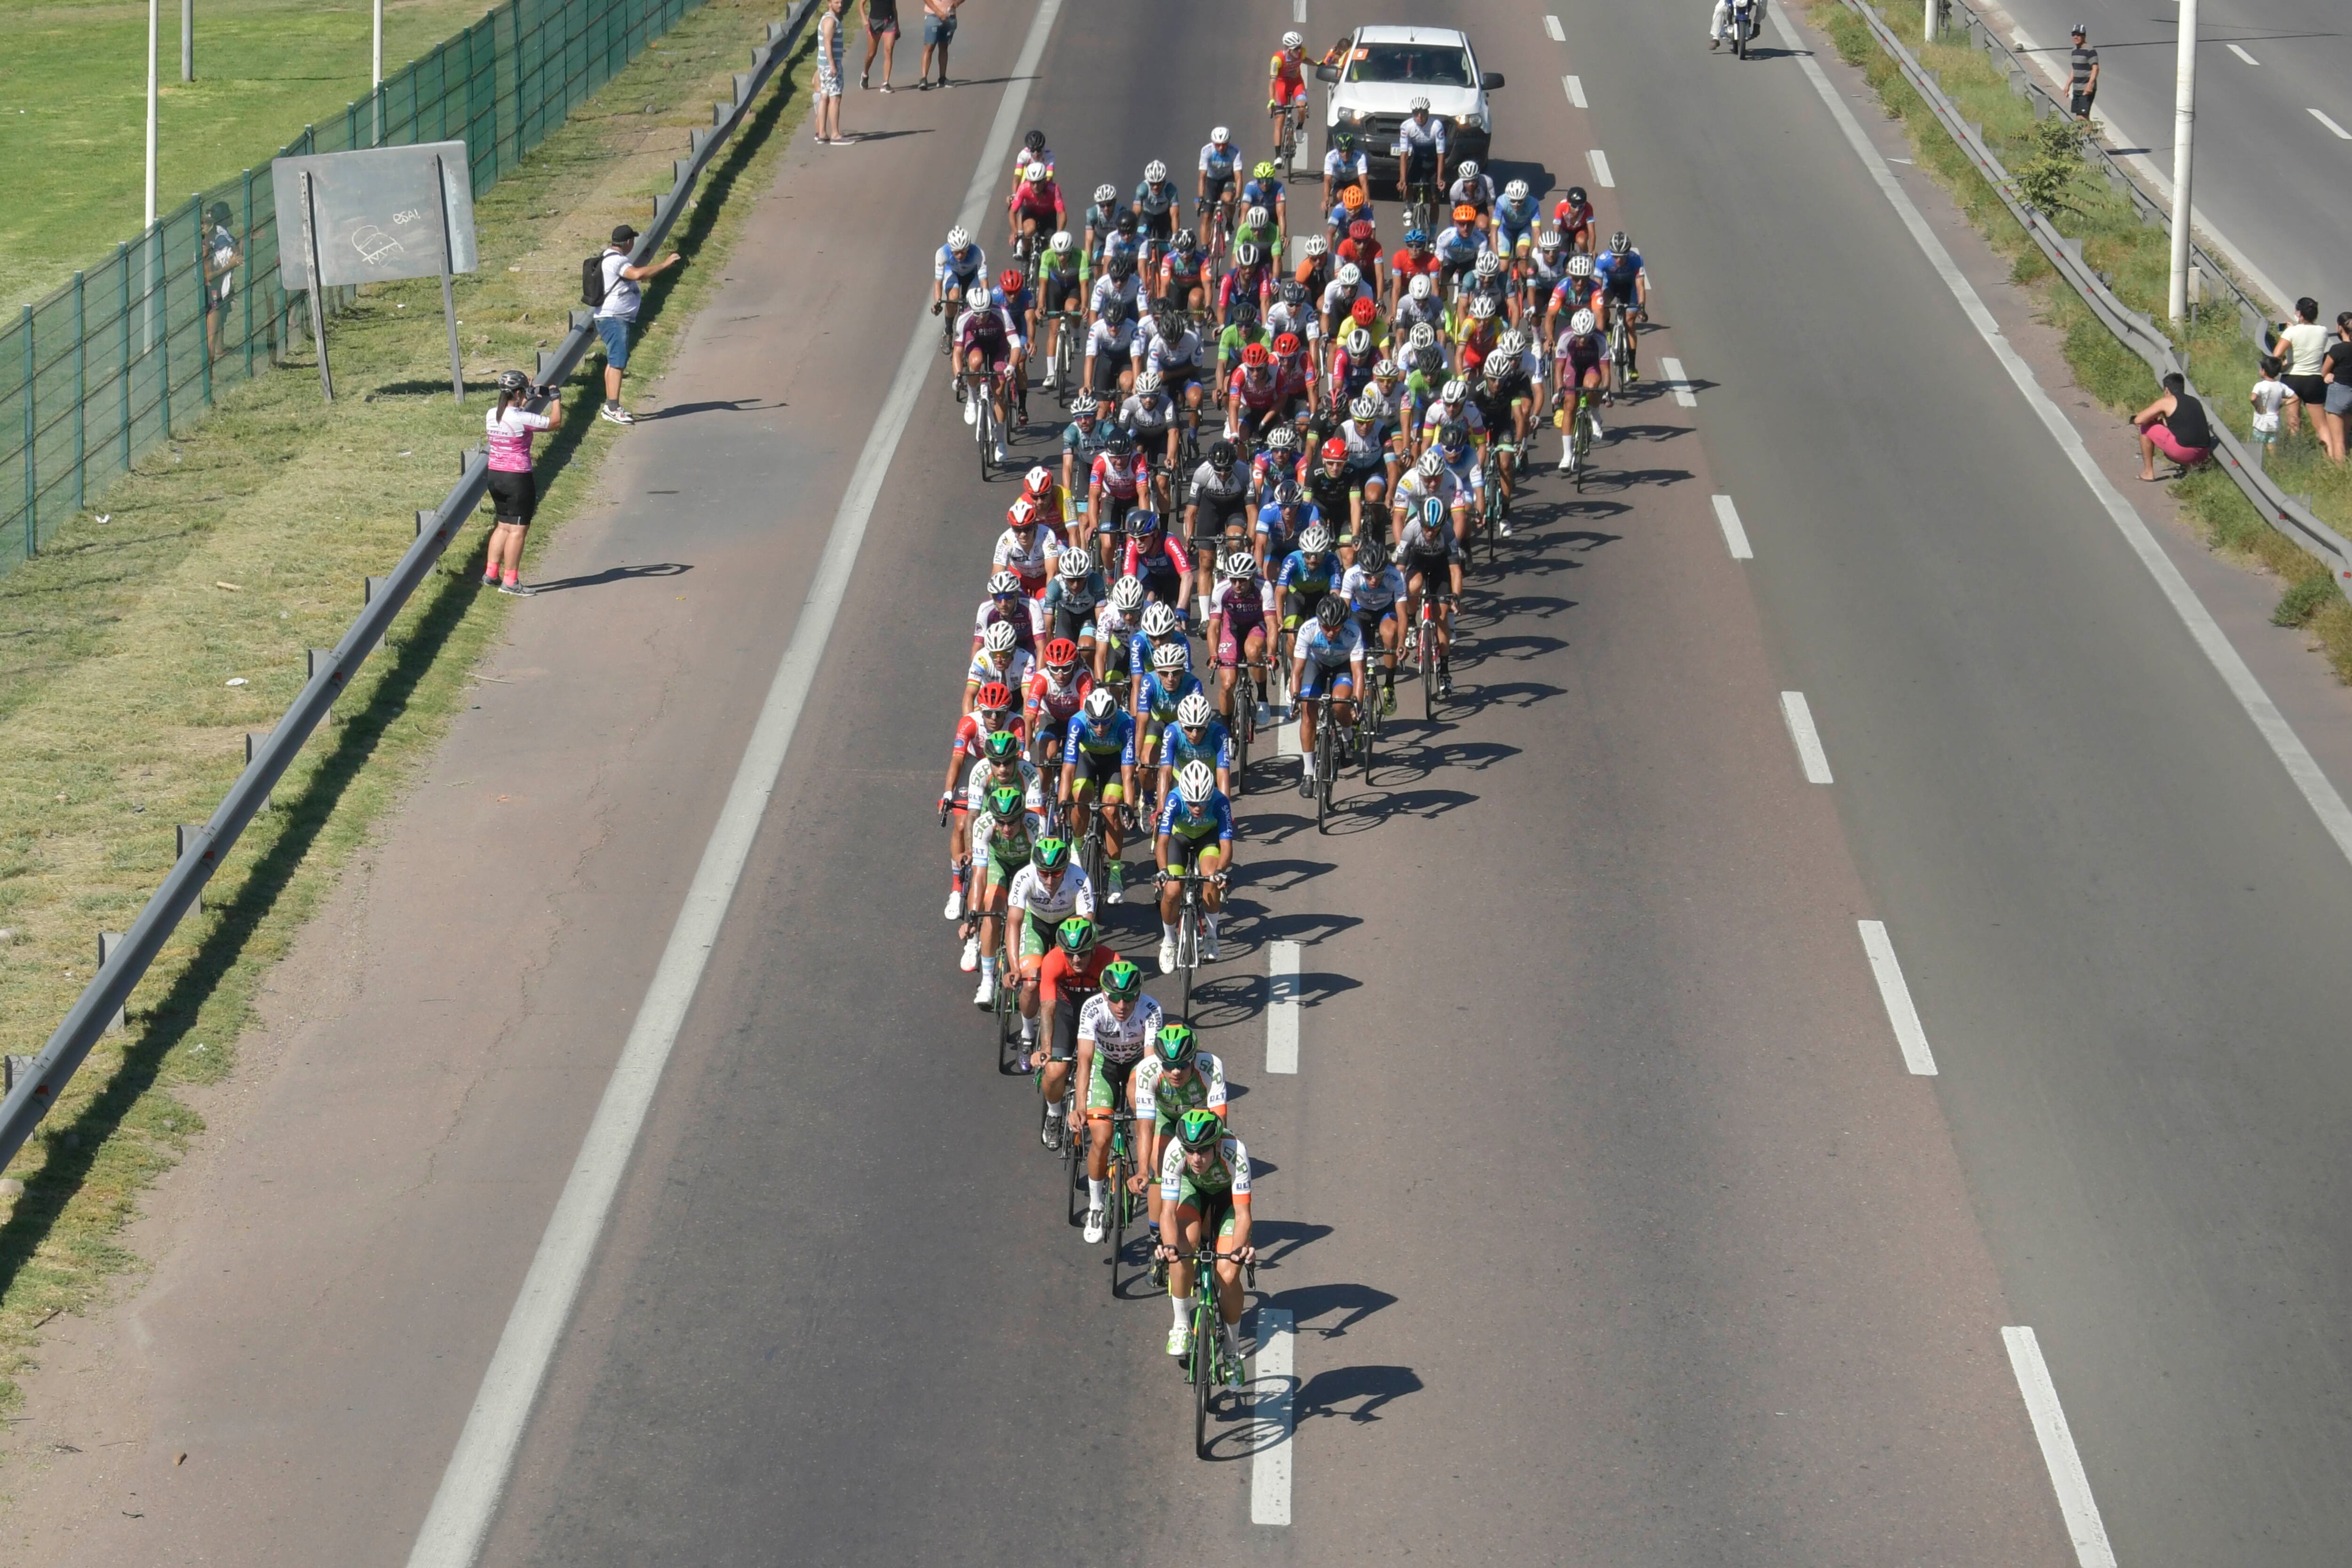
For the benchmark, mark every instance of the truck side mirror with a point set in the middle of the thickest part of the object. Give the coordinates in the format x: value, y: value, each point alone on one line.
x: 1327, y: 73
x: 1489, y: 81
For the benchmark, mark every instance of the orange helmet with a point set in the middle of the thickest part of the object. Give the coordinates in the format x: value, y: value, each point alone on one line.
x: 1465, y: 213
x: 1354, y: 197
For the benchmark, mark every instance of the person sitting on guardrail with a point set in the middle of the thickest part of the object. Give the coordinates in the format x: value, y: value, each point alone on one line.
x: 2174, y: 424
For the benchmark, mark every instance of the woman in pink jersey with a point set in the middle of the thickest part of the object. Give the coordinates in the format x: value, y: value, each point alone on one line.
x: 514, y: 492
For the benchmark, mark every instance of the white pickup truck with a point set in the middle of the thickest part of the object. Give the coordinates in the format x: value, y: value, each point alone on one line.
x: 1385, y: 70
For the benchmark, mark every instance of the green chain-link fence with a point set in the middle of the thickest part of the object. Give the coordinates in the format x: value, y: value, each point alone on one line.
x: 135, y: 347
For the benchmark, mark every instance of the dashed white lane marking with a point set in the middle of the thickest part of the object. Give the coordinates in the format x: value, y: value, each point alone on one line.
x: 2243, y: 55
x: 1677, y: 380
x: 1601, y: 175
x: 1282, y: 1007
x: 1896, y: 995
x: 1298, y: 12
x: 1271, y: 1404
x: 1551, y: 26
x: 2066, y: 1475
x: 1734, y: 536
x: 1575, y: 92
x: 2341, y: 134
x: 1799, y: 715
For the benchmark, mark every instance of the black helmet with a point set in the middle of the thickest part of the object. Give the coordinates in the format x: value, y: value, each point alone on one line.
x: 1118, y: 441
x: 1035, y: 140
x: 1293, y: 294
x: 1244, y: 312
x: 1345, y: 141
x: 1220, y: 456
x: 1125, y: 222
x: 1576, y: 195
x: 513, y: 381
x: 1330, y: 610
x: 1122, y: 267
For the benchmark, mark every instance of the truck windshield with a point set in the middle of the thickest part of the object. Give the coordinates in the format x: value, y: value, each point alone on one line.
x: 1436, y: 65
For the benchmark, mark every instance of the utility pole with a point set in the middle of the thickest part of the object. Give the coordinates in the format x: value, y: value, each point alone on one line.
x: 153, y: 20
x: 376, y: 94
x: 187, y: 40
x: 2184, y: 125
x: 1934, y: 16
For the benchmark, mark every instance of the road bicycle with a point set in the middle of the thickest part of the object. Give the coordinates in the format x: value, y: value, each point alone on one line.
x: 983, y: 388
x: 1621, y: 343
x: 1247, y: 687
x: 1192, y: 914
x: 1583, y: 429
x: 1210, y: 1365
x: 1004, y: 1012
x: 1290, y: 137
x: 1216, y: 220
x: 1326, y: 755
x: 1126, y: 1205
x: 1069, y: 331
x: 1492, y: 507
x: 1426, y: 645
x: 1420, y: 193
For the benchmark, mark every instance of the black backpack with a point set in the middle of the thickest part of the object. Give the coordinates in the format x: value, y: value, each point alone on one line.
x: 592, y: 279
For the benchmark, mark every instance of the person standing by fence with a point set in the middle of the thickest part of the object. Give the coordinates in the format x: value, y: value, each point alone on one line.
x: 514, y: 488
x: 222, y: 256
x: 616, y: 314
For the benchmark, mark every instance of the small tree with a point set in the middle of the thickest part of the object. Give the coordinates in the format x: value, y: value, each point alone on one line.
x: 2048, y: 170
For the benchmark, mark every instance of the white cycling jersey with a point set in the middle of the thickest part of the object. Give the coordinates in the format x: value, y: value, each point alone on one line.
x: 1029, y: 895
x: 975, y: 792
x: 1210, y: 1072
x: 1119, y: 1044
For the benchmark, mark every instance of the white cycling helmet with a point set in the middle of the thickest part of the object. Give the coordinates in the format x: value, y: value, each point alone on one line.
x: 1316, y: 540
x: 1147, y: 383
x: 1154, y: 172
x: 1516, y: 190
x: 1548, y: 238
x: 1003, y: 582
x: 1258, y: 218
x: 1282, y: 438
x: 1293, y: 41
x: 1581, y: 323
x: 1512, y: 342
x: 1072, y: 565
x: 1168, y: 655
x: 1467, y: 168
x: 1418, y: 106
x: 1193, y: 711
x: 1431, y: 464
x: 1241, y: 566
x: 957, y: 237
x: 1421, y: 288
x: 1196, y: 782
x: 1453, y: 391
x: 1126, y: 595
x: 1423, y: 336
x: 1317, y: 246
x: 1359, y: 344
x: 1363, y: 407
x: 1105, y: 194
x: 976, y: 297
x: 1036, y: 173
x: 1580, y: 266
x: 1246, y: 254
x: 1101, y: 705
x: 1350, y: 275
x: 1482, y: 307
x: 1159, y: 621
x: 1386, y: 369
x: 1063, y: 242
x: 1487, y: 264
x: 1220, y: 136
x: 998, y: 637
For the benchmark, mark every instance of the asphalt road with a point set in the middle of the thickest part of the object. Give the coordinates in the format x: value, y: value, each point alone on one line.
x: 2270, y: 174
x: 1611, y: 1225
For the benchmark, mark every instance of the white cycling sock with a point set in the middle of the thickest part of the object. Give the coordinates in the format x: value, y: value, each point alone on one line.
x: 1094, y: 1193
x: 1178, y: 1304
x: 1167, y: 932
x: 988, y: 966
x: 1029, y: 1029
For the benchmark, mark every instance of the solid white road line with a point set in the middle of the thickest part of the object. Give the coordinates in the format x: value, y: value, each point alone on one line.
x: 1575, y: 92
x: 467, y: 1499
x: 1677, y: 380
x: 2317, y: 790
x: 2341, y: 134
x: 1897, y: 997
x: 1270, y: 1377
x: 2067, y: 1476
x: 2243, y: 55
x: 1601, y: 176
x: 1282, y: 1007
x: 1734, y: 535
x: 1810, y: 755
x: 1551, y: 26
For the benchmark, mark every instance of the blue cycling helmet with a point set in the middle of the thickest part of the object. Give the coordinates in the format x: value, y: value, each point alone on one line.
x: 1416, y: 236
x: 1433, y: 511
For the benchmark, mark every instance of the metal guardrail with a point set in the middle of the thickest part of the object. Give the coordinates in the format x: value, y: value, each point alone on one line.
x: 2291, y: 515
x: 35, y: 1089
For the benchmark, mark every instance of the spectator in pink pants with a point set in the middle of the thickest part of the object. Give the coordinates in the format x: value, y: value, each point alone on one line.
x: 2175, y: 425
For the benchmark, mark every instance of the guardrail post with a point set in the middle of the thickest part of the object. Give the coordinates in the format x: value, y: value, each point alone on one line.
x: 187, y: 834
x: 122, y: 325
x: 108, y: 940
x: 320, y: 657
x: 81, y: 393
x: 269, y: 797
x: 370, y: 588
x: 32, y: 484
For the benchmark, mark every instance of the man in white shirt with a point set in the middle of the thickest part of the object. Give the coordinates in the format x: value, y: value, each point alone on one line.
x: 617, y: 312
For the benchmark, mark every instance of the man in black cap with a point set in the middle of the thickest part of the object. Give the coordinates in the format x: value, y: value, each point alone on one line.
x: 2083, y: 81
x: 618, y: 313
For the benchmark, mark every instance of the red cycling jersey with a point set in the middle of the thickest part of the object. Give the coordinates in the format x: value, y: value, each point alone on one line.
x: 1138, y: 564
x: 1058, y: 703
x: 1119, y: 476
x: 1083, y: 979
x: 1258, y: 394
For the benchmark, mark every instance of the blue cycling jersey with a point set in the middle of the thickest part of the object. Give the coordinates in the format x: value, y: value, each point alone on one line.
x: 1332, y: 651
x: 1215, y: 746
x: 1618, y: 272
x: 1159, y: 699
x: 1214, y: 818
x: 1261, y: 193
x: 1300, y: 578
x: 1515, y: 218
x: 1138, y: 653
x: 1117, y: 736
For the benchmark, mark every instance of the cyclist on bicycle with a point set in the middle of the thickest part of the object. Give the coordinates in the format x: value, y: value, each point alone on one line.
x: 1115, y: 1028
x: 1158, y: 559
x: 1473, y: 190
x: 1119, y: 620
x: 1459, y: 245
x: 1101, y: 221
x: 1266, y: 208
x: 1254, y: 397
x: 1196, y: 736
x: 1242, y: 328
x: 1581, y: 371
x: 1431, y: 558
x: 1183, y: 273
x: 1149, y: 415
x: 1046, y: 892
x: 1334, y: 486
x: 1244, y: 290
x: 1515, y: 215
x: 1626, y: 289
x: 1286, y: 86
x: 1420, y: 149
x: 1019, y: 302
x: 1259, y: 233
x: 1328, y: 655
x: 1480, y: 327
x: 1110, y: 349
x: 1083, y: 440
x: 1036, y: 209
x: 1574, y: 218
x: 1157, y: 695
x: 1289, y: 314
x: 1240, y: 611
x: 1003, y: 836
x: 1218, y: 499
x: 1061, y: 289
x: 1155, y: 202
x: 1178, y: 358
x: 1057, y: 689
x: 1220, y: 164
x: 1175, y: 1076
x: 1276, y: 463
x: 1542, y: 268
x: 1074, y: 600
x: 1098, y: 762
x: 1114, y: 487
x: 1578, y: 290
x: 1205, y: 1180
x: 957, y: 268
x: 1071, y: 974
x: 1295, y: 376
x: 1033, y: 151
x: 1504, y: 399
x: 1000, y: 656
x: 1027, y: 550
x: 985, y: 342
x: 1375, y: 591
x: 1417, y: 259
x: 1417, y: 306
x: 1360, y: 244
x: 1345, y: 168
x: 1303, y: 576
x: 1006, y: 605
x: 1284, y: 516
x: 994, y: 711
x: 1196, y: 837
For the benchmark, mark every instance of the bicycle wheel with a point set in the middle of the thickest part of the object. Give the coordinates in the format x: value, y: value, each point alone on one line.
x: 1327, y: 763
x: 1090, y: 853
x: 1428, y: 653
x: 1188, y: 945
x: 1368, y: 727
x: 980, y: 429
x: 1117, y: 1194
x: 1074, y: 1169
x: 1245, y: 727
x: 1202, y: 1368
x: 1007, y: 1009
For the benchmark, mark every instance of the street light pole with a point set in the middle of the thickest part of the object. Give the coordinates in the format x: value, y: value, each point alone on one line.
x: 1935, y: 10
x: 153, y: 19
x: 2184, y: 125
x: 187, y: 40
x: 376, y: 94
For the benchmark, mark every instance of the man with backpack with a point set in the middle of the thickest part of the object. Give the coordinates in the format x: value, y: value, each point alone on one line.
x: 610, y: 283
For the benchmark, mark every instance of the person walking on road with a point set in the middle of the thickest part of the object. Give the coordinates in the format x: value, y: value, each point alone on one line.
x: 2301, y: 342
x: 828, y: 76
x: 881, y: 32
x: 2175, y: 425
x: 938, y: 31
x: 514, y: 490
x: 618, y: 313
x: 2083, y: 77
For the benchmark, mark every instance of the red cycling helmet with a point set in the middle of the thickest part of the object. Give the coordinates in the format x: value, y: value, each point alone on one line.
x: 1360, y: 231
x: 1287, y: 344
x: 1362, y: 311
x: 1038, y: 480
x: 1335, y: 450
x: 1022, y: 513
x: 1061, y: 653
x: 993, y: 698
x: 1254, y: 355
x: 1010, y: 280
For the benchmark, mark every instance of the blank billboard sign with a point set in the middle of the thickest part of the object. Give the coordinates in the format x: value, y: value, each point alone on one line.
x: 379, y: 212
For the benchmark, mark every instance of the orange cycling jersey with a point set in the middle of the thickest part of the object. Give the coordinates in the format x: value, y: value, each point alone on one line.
x: 1288, y: 69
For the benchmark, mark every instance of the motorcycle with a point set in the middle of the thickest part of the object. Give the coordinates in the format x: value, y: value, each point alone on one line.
x: 1737, y: 21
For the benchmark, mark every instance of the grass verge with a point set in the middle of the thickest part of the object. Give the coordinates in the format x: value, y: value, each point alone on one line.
x: 2136, y: 258
x: 142, y: 646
